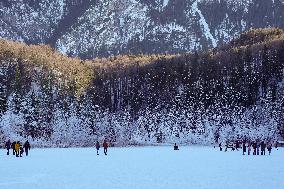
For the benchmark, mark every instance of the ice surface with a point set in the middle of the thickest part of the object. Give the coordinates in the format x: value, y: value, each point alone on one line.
x: 141, y: 167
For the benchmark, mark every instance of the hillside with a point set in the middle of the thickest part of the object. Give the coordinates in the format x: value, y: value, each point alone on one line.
x: 99, y: 28
x: 231, y: 92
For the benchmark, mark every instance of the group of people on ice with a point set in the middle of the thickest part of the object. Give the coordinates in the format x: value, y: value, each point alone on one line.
x: 256, y: 148
x: 105, y: 146
x: 18, y: 148
x: 249, y: 148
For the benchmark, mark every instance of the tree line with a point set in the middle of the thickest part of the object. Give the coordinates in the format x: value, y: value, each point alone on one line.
x: 229, y: 93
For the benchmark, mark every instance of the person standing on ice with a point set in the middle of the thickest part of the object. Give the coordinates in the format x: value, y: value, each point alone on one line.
x: 244, y: 148
x: 257, y: 148
x: 98, y: 147
x: 14, y: 147
x: 269, y: 148
x: 21, y: 151
x: 249, y: 148
x: 105, y: 145
x: 254, y: 148
x: 262, y: 148
x: 17, y: 148
x: 8, y: 146
x: 27, y: 147
x: 237, y: 145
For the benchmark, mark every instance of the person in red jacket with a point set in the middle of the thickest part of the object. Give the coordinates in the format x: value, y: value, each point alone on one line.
x: 105, y: 145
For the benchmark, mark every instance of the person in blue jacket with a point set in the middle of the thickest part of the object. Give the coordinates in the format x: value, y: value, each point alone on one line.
x: 244, y: 148
x: 98, y: 147
x: 27, y: 147
x: 8, y: 146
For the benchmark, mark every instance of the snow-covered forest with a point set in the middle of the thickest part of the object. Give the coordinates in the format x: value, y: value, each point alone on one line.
x: 229, y: 93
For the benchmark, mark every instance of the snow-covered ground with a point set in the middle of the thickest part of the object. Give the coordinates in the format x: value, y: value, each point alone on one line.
x: 141, y: 167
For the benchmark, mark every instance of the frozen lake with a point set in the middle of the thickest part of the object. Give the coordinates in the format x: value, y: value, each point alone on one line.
x: 141, y: 168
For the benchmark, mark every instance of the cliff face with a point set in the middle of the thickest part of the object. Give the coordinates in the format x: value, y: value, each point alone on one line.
x: 92, y: 28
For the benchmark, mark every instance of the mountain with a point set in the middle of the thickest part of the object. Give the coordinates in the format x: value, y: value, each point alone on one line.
x: 96, y: 28
x: 232, y: 92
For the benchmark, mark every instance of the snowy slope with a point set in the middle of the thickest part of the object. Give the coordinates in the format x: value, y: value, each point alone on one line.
x: 152, y: 167
x: 203, y: 23
x: 102, y: 28
x: 32, y: 22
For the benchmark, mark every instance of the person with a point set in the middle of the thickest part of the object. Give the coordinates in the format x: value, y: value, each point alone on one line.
x: 176, y: 147
x: 21, y: 151
x: 17, y: 148
x: 276, y: 145
x: 220, y: 146
x: 257, y: 148
x: 269, y: 148
x: 8, y: 146
x: 237, y: 145
x: 244, y: 148
x: 105, y: 145
x: 254, y: 148
x: 97, y: 147
x: 262, y: 148
x: 27, y: 147
x: 249, y: 148
x: 14, y: 147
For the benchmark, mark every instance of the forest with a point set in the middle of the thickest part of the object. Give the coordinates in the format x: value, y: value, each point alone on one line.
x: 232, y: 92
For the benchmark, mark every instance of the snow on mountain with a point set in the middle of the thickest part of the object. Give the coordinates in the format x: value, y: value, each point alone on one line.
x: 102, y: 28
x: 32, y: 22
x: 203, y: 23
x: 165, y: 3
x: 115, y: 25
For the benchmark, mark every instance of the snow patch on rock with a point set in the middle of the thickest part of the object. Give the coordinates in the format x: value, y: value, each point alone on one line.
x: 195, y: 10
x: 165, y: 3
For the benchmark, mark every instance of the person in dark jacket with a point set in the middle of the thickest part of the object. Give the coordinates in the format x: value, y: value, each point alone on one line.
x: 254, y: 148
x: 98, y: 147
x: 176, y: 147
x: 105, y: 145
x: 262, y: 148
x: 249, y: 148
x: 237, y: 145
x: 269, y: 148
x: 244, y: 148
x: 257, y: 148
x: 21, y: 151
x: 8, y: 146
x: 14, y: 147
x: 27, y: 147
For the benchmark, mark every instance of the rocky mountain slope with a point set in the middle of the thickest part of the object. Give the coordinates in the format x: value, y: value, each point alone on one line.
x: 91, y: 28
